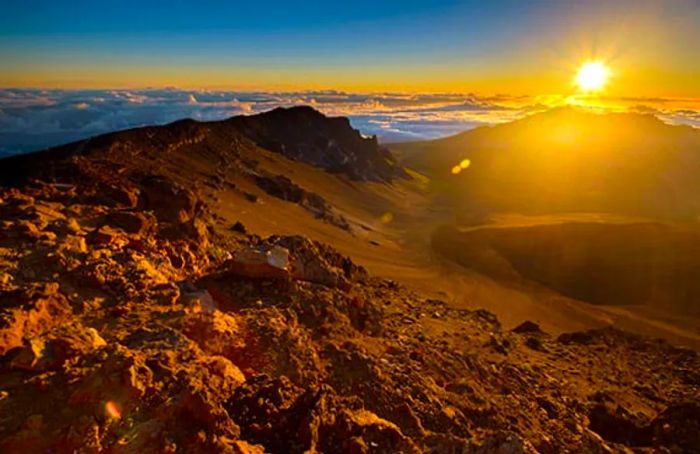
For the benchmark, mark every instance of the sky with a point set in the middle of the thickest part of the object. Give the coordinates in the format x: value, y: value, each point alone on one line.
x: 69, y: 68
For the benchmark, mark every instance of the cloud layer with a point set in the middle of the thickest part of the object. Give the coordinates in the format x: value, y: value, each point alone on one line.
x: 34, y: 119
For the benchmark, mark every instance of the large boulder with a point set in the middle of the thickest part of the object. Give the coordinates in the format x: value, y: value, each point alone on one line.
x: 30, y: 312
x: 168, y: 200
x: 264, y: 261
x: 315, y: 262
x: 132, y: 222
x: 281, y: 257
x: 48, y: 352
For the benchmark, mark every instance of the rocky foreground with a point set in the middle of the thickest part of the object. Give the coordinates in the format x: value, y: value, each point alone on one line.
x: 130, y: 322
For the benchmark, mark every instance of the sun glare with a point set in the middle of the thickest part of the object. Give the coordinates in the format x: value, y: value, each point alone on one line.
x: 592, y: 76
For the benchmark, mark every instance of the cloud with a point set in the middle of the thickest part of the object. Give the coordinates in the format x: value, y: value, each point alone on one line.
x: 33, y: 119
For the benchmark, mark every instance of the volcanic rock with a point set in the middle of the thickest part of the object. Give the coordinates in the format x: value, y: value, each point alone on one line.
x: 29, y: 312
x: 136, y: 223
x: 169, y: 201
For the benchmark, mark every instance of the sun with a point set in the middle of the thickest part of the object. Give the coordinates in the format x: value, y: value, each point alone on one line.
x: 592, y: 76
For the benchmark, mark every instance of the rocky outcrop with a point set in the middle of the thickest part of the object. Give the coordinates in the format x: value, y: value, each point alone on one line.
x: 298, y: 133
x: 304, y: 134
x: 283, y: 188
x: 30, y: 311
x: 296, y: 257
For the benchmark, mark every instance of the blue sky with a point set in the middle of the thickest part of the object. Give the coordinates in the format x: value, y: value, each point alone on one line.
x: 405, y: 69
x: 211, y: 31
x: 494, y: 46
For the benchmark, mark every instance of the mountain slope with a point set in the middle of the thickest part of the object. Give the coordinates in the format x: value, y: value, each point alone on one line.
x: 154, y: 283
x: 568, y: 159
x: 570, y: 208
x: 298, y: 133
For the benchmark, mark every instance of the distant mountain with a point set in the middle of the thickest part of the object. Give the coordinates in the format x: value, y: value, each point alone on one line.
x: 570, y: 159
x: 298, y: 133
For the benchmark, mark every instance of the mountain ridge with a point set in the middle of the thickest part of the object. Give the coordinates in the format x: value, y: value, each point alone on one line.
x: 569, y: 159
x: 299, y: 133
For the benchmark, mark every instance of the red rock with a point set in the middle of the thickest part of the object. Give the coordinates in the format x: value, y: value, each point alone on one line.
x: 121, y: 377
x: 26, y: 229
x: 29, y: 313
x: 107, y: 236
x: 266, y: 262
x: 200, y: 301
x: 73, y: 244
x: 169, y: 201
x: 124, y: 196
x: 216, y: 333
x: 28, y: 439
x: 47, y: 352
x: 136, y: 223
x: 241, y: 447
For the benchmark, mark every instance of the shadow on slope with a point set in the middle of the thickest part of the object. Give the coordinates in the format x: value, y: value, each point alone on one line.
x: 601, y: 263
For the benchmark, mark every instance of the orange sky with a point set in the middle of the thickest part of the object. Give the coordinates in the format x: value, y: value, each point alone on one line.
x: 510, y: 47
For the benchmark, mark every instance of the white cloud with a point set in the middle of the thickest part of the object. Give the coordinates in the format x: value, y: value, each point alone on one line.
x: 33, y: 119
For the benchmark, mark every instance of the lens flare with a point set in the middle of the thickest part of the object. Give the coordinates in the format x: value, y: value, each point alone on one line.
x: 463, y: 165
x: 112, y: 410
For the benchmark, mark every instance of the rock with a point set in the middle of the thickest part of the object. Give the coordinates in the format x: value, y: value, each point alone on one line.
x: 25, y: 229
x: 68, y: 226
x: 304, y: 134
x: 31, y: 356
x: 278, y: 414
x: 216, y: 333
x: 239, y: 227
x: 107, y: 236
x: 120, y: 376
x: 678, y: 426
x: 194, y: 231
x: 361, y: 431
x: 147, y: 273
x: 168, y: 200
x: 5, y: 281
x: 504, y: 442
x: 222, y: 368
x: 29, y: 438
x: 142, y: 439
x: 43, y: 213
x: 200, y: 234
x: 318, y: 263
x: 200, y: 301
x: 527, y: 327
x: 535, y: 344
x: 30, y: 312
x: 252, y: 198
x: 123, y: 196
x: 39, y: 354
x: 615, y: 424
x: 73, y: 244
x: 298, y: 257
x: 499, y: 344
x: 266, y: 262
x: 283, y: 188
x: 133, y: 222
x: 241, y: 447
x: 580, y: 337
